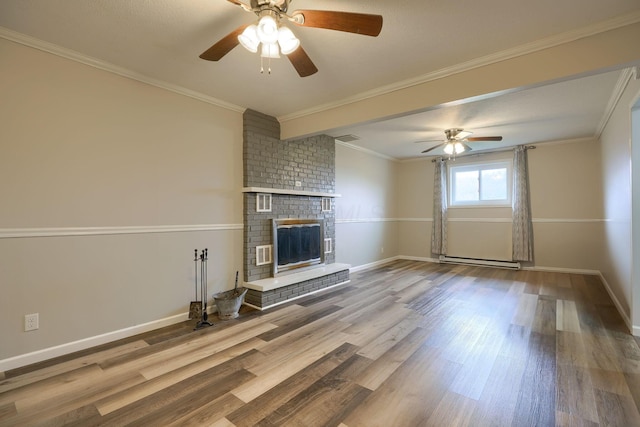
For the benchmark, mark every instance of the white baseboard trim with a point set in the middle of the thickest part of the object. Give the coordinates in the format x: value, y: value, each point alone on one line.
x: 417, y: 258
x: 563, y: 270
x: 372, y: 264
x: 67, y: 348
x: 635, y: 330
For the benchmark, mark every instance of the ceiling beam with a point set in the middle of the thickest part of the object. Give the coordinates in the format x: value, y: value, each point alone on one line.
x: 604, y: 51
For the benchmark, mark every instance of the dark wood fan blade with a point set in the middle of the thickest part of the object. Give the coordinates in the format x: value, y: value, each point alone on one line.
x: 358, y: 23
x: 485, y: 138
x: 242, y: 5
x: 302, y: 63
x: 224, y: 46
x: 432, y: 148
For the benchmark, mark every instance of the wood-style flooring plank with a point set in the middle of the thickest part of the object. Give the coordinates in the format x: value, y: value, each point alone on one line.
x: 475, y: 372
x: 277, y: 373
x: 537, y: 397
x: 325, y: 402
x: 211, y: 413
x: 410, y: 395
x: 67, y: 364
x: 387, y: 364
x: 383, y: 341
x: 454, y: 410
x: 119, y: 400
x: 260, y: 407
x: 497, y: 403
x: 575, y: 392
x: 567, y: 316
x: 616, y: 410
x: 173, y: 402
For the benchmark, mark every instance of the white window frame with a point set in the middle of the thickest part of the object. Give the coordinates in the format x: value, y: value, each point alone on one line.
x: 480, y: 166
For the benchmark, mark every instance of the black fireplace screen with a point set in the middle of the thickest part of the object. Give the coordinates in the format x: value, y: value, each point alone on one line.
x: 299, y: 243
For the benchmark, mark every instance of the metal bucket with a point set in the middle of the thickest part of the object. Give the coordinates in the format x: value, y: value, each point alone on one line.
x: 229, y: 303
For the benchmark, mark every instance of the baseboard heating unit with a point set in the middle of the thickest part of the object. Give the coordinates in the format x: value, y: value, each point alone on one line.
x: 513, y: 265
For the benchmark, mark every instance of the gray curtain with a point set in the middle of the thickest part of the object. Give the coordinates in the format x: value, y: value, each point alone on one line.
x: 439, y: 228
x: 522, y: 232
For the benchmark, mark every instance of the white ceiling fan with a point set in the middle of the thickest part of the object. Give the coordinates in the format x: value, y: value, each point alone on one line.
x: 456, y: 139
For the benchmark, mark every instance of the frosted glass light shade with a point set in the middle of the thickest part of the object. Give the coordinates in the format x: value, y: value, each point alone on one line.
x: 249, y: 38
x: 270, y: 50
x: 448, y: 149
x: 287, y: 40
x: 459, y: 148
x: 267, y: 30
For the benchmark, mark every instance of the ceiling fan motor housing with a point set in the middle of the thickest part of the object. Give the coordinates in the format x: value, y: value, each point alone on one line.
x: 279, y: 5
x: 452, y: 133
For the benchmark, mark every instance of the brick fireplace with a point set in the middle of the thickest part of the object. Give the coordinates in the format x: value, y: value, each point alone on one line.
x: 293, y: 179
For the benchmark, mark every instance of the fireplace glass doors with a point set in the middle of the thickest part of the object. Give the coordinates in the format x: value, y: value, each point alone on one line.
x: 298, y: 243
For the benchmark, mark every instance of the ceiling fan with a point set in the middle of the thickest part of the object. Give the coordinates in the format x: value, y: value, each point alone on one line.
x: 455, y: 141
x: 274, y: 38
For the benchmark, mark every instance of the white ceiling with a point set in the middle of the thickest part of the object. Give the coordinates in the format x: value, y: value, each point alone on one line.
x: 161, y: 40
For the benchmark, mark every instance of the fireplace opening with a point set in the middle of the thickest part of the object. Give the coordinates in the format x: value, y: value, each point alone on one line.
x: 298, y: 243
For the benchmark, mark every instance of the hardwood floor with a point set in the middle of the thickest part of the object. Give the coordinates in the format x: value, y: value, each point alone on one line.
x: 406, y: 344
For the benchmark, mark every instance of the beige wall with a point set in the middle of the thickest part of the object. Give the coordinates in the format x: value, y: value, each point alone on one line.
x: 83, y: 148
x: 415, y: 207
x: 566, y: 204
x: 617, y: 261
x: 566, y: 197
x: 366, y: 231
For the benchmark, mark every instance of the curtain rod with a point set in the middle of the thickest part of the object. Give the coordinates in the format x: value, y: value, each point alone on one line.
x: 526, y: 147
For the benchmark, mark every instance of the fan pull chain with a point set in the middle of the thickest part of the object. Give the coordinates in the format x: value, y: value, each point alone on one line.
x: 262, y: 66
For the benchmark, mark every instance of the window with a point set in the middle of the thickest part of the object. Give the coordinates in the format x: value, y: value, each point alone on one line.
x: 480, y: 184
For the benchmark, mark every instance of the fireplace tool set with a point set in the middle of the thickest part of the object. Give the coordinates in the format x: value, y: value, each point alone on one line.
x: 198, y: 309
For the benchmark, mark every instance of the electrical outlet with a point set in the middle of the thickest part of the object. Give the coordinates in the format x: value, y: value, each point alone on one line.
x: 298, y: 184
x: 31, y: 322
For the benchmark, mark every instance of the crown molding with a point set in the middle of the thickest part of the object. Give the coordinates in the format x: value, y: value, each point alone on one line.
x: 625, y: 77
x: 72, y: 55
x: 538, y: 45
x: 366, y: 150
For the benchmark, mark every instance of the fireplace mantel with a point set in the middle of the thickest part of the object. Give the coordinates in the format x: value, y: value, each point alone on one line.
x: 289, y: 192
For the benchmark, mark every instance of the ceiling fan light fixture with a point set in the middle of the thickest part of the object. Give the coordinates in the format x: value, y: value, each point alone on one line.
x: 454, y: 148
x: 287, y: 40
x: 267, y: 30
x: 249, y: 38
x: 270, y: 50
